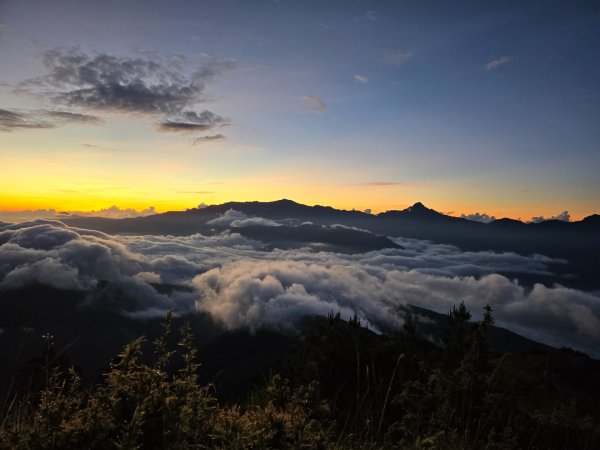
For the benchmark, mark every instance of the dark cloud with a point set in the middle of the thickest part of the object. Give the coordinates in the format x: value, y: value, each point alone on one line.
x: 190, y: 121
x: 143, y: 84
x: 71, y: 117
x: 213, y: 138
x: 11, y: 120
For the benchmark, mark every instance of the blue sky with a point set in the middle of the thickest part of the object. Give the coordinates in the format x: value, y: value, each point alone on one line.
x: 467, y: 106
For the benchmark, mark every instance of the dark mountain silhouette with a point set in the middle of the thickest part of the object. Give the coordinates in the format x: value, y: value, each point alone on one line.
x: 390, y: 222
x: 334, y: 239
x: 502, y: 340
x: 80, y: 332
x: 334, y: 370
x: 576, y: 242
x: 418, y: 211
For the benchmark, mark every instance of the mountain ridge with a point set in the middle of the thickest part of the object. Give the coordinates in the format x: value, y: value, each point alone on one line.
x: 578, y: 242
x: 418, y: 209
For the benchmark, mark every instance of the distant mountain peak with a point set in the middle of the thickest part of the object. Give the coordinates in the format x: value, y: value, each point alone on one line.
x: 418, y: 207
x: 419, y: 212
x: 506, y: 221
x: 286, y: 201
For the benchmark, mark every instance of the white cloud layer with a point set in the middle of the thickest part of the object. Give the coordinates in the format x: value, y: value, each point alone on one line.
x: 241, y: 285
x: 113, y: 212
x: 275, y: 293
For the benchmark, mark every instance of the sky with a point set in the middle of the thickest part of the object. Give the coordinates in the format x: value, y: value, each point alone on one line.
x: 469, y: 107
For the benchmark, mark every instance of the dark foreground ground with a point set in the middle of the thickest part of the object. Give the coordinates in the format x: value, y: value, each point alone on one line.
x: 334, y: 385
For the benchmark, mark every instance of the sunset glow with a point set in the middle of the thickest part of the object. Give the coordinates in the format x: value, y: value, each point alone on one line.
x: 374, y: 106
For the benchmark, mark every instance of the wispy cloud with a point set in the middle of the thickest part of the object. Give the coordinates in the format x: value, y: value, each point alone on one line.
x: 61, y: 117
x: 11, y: 120
x: 397, y: 57
x: 318, y: 105
x: 370, y: 15
x: 494, y: 63
x: 94, y: 147
x: 384, y: 183
x: 190, y: 121
x: 3, y: 30
x: 212, y: 138
x: 361, y: 78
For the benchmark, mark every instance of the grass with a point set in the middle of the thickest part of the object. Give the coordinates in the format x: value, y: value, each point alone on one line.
x: 344, y: 387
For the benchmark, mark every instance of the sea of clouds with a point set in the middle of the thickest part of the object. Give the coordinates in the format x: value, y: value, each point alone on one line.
x: 241, y: 285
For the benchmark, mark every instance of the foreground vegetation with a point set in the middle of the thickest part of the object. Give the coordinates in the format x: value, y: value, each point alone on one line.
x: 342, y: 387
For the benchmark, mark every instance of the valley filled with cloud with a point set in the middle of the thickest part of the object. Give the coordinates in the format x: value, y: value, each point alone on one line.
x: 243, y: 284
